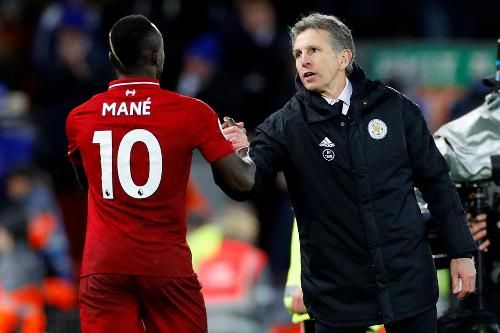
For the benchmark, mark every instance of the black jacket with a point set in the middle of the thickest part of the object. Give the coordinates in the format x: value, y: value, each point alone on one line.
x: 365, y: 255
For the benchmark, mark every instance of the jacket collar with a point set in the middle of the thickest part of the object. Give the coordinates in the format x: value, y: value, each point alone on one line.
x: 317, y: 109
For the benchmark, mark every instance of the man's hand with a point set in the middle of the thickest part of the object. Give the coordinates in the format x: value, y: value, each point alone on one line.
x: 235, y: 133
x: 463, y: 276
x: 477, y: 228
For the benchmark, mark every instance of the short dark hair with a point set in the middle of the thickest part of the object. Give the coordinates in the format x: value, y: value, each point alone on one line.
x: 129, y: 38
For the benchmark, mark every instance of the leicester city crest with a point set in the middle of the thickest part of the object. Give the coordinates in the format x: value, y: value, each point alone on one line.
x: 377, y: 129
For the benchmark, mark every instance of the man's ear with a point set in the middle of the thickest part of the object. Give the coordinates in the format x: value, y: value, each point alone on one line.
x: 115, y: 61
x: 155, y: 58
x: 345, y: 58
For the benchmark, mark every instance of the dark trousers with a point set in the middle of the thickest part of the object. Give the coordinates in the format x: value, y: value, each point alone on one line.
x: 425, y: 322
x: 309, y: 326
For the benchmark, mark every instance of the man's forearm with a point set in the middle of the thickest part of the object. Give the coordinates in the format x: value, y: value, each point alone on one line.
x: 235, y: 175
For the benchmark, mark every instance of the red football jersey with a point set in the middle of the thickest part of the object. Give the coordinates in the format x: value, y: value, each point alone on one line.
x: 136, y: 142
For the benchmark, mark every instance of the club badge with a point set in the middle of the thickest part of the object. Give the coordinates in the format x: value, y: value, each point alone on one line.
x: 377, y: 129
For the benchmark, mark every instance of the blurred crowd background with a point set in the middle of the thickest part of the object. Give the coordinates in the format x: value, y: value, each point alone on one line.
x: 234, y: 55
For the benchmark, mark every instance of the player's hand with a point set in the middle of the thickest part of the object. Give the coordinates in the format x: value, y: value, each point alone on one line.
x: 463, y: 276
x: 478, y: 230
x: 298, y: 301
x: 235, y: 133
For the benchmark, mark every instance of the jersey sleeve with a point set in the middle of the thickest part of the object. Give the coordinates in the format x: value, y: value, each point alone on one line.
x: 71, y: 136
x: 208, y: 135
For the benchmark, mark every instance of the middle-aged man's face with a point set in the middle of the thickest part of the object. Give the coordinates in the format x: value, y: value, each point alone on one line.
x: 317, y: 63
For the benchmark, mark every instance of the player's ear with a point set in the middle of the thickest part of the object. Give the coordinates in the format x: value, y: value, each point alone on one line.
x: 155, y: 58
x: 114, y: 61
x: 158, y: 62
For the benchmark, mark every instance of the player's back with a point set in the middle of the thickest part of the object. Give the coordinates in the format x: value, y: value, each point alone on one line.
x: 136, y: 144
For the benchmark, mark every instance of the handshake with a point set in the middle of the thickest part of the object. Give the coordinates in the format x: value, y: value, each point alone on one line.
x: 236, y: 134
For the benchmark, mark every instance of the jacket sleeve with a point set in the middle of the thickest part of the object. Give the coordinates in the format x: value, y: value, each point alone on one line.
x: 268, y: 151
x: 431, y: 176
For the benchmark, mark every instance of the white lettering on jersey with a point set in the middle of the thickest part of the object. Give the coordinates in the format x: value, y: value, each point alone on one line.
x: 108, y: 108
x: 141, y: 108
x: 122, y: 109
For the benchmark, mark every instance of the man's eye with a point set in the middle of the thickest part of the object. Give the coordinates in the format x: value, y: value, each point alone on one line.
x: 296, y: 55
x: 315, y: 49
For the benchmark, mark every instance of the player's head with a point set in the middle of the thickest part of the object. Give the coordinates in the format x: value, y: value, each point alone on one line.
x: 136, y: 47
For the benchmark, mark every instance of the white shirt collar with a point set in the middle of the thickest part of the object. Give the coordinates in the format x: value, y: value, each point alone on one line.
x: 345, y: 97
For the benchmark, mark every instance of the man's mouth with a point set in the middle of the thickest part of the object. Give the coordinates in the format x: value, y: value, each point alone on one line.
x: 308, y: 75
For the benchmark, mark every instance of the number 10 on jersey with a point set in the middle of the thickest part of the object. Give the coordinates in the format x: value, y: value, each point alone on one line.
x: 105, y: 141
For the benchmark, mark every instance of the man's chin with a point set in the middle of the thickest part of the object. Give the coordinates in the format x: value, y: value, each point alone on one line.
x: 310, y: 86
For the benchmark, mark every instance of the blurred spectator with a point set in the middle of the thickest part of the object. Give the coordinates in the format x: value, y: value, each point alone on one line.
x: 15, y: 42
x: 200, y: 64
x: 198, y: 208
x: 409, y: 89
x: 203, y: 77
x: 46, y: 234
x: 79, y: 14
x: 21, y: 274
x: 27, y: 188
x: 233, y: 273
x: 17, y: 132
x: 70, y: 65
x: 187, y: 18
x: 472, y: 98
x: 258, y: 58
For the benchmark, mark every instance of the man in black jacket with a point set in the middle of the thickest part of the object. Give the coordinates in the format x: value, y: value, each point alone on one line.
x: 352, y: 151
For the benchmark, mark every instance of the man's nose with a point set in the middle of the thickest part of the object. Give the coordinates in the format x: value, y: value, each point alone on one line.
x: 305, y: 60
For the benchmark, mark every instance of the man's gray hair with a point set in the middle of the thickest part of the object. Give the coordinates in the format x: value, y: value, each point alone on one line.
x: 341, y: 37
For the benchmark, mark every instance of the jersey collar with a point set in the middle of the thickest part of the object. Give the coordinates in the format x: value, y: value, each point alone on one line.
x: 137, y: 82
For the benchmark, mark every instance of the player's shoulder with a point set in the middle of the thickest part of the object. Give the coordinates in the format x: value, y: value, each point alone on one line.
x: 79, y: 116
x: 187, y: 99
x: 191, y: 103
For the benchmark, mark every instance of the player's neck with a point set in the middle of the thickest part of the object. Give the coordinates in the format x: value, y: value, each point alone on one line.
x: 146, y: 73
